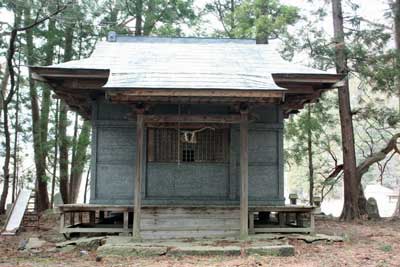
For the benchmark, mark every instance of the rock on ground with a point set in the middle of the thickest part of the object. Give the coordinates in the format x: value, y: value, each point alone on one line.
x: 34, y: 243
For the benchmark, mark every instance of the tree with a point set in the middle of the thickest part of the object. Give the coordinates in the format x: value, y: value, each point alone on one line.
x: 63, y: 122
x: 29, y: 24
x: 6, y: 98
x: 160, y: 17
x: 351, y: 182
x: 80, y: 158
x: 396, y: 13
x: 310, y: 141
x: 264, y: 20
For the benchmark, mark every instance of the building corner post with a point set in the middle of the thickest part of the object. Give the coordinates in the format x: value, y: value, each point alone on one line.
x: 244, y: 175
x: 137, y: 202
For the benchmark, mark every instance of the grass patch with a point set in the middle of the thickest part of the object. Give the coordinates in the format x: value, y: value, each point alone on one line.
x: 386, y: 248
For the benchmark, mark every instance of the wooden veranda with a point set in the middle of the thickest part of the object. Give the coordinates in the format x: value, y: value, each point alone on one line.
x: 92, y: 218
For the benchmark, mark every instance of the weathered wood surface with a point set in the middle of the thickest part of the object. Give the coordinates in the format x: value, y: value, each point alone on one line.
x: 192, y: 118
x: 115, y: 157
x: 254, y: 208
x: 125, y: 94
x: 197, y: 100
x: 138, y: 174
x: 183, y: 221
x: 176, y: 222
x: 189, y: 222
x: 244, y: 174
x: 283, y: 230
x: 286, y: 208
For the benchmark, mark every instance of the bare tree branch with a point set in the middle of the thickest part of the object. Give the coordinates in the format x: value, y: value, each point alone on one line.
x: 11, y: 47
x: 364, y: 166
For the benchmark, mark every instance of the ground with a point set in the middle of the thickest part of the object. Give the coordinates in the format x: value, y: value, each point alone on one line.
x: 367, y: 243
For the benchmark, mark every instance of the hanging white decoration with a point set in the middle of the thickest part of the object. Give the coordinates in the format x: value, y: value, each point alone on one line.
x: 190, y: 136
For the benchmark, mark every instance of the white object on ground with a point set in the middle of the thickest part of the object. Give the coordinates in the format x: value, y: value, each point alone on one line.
x: 14, y: 219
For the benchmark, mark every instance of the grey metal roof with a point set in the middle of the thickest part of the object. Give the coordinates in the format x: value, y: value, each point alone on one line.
x: 188, y: 63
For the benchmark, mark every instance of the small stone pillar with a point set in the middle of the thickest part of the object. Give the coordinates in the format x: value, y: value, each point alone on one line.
x: 293, y: 199
x: 317, y: 204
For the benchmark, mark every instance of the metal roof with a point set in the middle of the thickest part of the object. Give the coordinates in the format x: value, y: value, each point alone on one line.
x: 188, y: 63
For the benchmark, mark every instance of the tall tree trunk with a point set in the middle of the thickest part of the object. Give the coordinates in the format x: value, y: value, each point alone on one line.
x: 73, y: 159
x: 310, y: 158
x: 7, y: 156
x: 262, y: 35
x: 396, y: 12
x: 53, y: 180
x: 5, y: 99
x: 16, y: 132
x: 80, y: 161
x: 139, y: 18
x: 63, y: 123
x: 3, y: 86
x: 63, y: 147
x: 350, y: 179
x: 86, y: 186
x: 43, y: 196
x: 232, y: 20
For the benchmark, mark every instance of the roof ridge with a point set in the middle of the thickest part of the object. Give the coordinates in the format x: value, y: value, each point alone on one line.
x: 187, y: 39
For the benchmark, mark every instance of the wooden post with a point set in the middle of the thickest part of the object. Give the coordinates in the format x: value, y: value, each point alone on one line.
x: 281, y: 217
x: 72, y: 218
x: 62, y: 222
x: 101, y: 216
x: 126, y: 220
x: 92, y: 217
x: 138, y: 178
x: 251, y: 223
x: 312, y: 223
x: 244, y: 175
x: 299, y: 219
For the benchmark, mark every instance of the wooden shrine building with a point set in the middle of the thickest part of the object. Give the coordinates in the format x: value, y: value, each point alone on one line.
x: 187, y: 135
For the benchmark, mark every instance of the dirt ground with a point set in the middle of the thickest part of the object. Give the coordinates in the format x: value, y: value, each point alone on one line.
x: 366, y: 244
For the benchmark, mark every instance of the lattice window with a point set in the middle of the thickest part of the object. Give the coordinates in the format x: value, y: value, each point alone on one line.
x: 208, y: 145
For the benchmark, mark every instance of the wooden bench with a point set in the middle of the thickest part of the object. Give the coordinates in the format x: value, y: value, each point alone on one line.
x: 96, y: 215
x: 284, y: 225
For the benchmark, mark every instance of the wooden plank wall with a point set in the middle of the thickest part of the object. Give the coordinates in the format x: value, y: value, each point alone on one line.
x: 164, y: 223
x: 113, y: 161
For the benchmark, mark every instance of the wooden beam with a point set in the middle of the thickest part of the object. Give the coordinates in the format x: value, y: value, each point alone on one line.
x: 195, y: 92
x: 244, y: 175
x: 191, y: 100
x: 193, y: 125
x: 268, y: 229
x: 139, y: 170
x: 64, y: 72
x: 192, y: 118
x: 307, y: 78
x: 82, y: 84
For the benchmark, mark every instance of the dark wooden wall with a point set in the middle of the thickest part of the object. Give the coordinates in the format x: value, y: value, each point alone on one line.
x: 113, y: 161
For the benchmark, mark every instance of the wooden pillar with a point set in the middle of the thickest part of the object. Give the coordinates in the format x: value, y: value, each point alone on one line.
x: 244, y: 175
x: 312, y: 223
x: 126, y: 221
x: 251, y: 223
x: 137, y: 202
x: 62, y: 221
x: 281, y: 218
x: 92, y: 217
x: 101, y: 216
